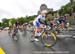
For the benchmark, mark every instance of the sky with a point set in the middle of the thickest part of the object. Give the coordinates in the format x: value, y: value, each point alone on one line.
x: 18, y: 8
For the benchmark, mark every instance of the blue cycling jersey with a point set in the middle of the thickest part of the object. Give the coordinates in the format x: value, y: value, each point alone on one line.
x: 36, y: 22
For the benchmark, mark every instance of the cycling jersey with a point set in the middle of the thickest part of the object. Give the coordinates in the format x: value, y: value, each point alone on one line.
x: 36, y: 22
x: 17, y: 24
x: 62, y: 20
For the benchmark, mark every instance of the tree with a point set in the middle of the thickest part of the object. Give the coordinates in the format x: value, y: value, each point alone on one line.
x: 5, y: 22
x: 13, y: 20
x: 0, y: 24
x: 68, y: 8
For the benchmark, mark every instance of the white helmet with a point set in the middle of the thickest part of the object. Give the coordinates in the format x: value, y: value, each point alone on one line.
x: 44, y: 11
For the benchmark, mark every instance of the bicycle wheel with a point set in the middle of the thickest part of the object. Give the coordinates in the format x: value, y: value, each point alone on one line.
x: 15, y: 35
x: 48, y: 40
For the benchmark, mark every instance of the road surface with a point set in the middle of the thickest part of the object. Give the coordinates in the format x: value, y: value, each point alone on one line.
x: 24, y: 46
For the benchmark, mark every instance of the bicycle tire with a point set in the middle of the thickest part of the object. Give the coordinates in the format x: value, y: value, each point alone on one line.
x: 15, y: 35
x: 45, y: 38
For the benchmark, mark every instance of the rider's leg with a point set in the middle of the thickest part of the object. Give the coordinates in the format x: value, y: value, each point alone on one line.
x: 35, y: 32
x: 13, y: 31
x: 10, y: 29
x: 36, y: 25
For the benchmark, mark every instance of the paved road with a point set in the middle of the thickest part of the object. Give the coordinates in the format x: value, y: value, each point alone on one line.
x: 24, y: 46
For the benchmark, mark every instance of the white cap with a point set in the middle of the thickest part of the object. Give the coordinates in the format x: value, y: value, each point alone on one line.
x: 44, y: 11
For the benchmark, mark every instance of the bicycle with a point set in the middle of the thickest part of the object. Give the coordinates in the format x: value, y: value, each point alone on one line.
x: 59, y: 31
x: 47, y: 37
x: 15, y: 34
x: 24, y: 30
x: 10, y: 30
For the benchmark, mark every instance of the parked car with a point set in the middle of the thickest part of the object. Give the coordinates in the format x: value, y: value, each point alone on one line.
x: 6, y: 28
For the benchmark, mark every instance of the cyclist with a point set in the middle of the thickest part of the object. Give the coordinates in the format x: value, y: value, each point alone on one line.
x: 37, y: 21
x: 62, y: 22
x: 24, y: 26
x: 10, y: 26
x: 16, y: 27
x: 67, y: 21
x: 53, y: 21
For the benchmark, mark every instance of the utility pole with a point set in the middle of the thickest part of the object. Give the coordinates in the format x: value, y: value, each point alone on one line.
x: 71, y: 1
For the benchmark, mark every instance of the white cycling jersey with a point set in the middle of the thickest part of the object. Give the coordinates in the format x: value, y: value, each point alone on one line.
x: 36, y: 22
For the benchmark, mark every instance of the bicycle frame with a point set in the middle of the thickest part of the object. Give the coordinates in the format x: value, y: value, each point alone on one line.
x: 40, y: 32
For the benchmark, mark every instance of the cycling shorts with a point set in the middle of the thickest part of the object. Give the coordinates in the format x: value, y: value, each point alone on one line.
x: 36, y: 24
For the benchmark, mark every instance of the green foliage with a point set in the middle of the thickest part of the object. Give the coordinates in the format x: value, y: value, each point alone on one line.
x: 5, y: 21
x: 68, y: 8
x: 13, y: 20
x: 0, y: 24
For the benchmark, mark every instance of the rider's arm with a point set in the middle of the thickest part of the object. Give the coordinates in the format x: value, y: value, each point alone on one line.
x: 43, y: 21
